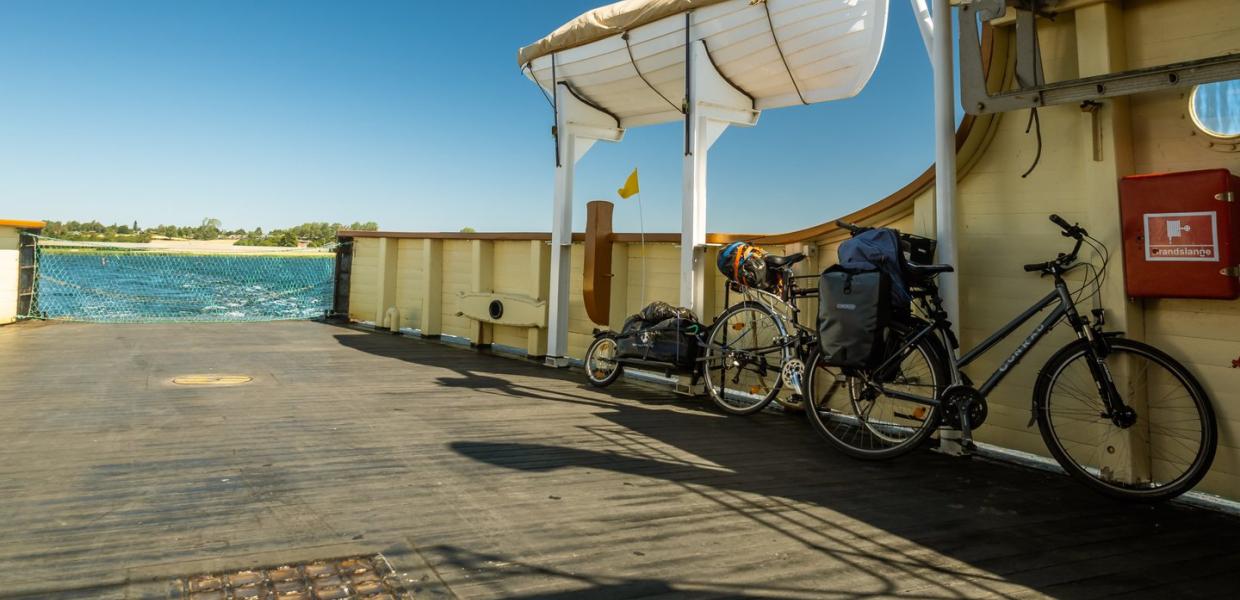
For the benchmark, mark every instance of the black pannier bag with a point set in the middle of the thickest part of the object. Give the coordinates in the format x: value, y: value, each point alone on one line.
x: 854, y: 308
x: 672, y: 339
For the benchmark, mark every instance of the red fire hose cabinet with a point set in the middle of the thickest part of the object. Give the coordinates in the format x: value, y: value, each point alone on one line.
x: 1181, y: 234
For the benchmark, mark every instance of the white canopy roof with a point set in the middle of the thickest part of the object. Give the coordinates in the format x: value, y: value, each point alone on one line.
x: 777, y: 52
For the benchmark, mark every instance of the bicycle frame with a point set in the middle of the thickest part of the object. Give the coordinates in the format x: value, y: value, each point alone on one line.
x: 937, y: 326
x: 783, y: 307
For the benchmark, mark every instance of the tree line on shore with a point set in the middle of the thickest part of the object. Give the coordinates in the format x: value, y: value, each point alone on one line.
x: 313, y: 234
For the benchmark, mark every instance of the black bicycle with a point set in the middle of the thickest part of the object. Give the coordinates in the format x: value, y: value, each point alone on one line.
x: 759, y: 345
x: 1117, y: 414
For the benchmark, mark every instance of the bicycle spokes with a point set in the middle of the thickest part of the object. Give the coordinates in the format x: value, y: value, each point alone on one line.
x: 744, y: 358
x: 854, y: 412
x: 1155, y: 438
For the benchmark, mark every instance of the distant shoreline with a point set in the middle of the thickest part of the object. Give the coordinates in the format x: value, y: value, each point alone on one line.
x: 183, y: 247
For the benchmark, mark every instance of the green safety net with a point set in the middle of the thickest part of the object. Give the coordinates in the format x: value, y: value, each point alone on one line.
x: 127, y: 283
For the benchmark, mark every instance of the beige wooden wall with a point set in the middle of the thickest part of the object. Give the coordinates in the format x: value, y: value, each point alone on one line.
x: 395, y: 272
x: 1003, y: 217
x: 1203, y: 333
x: 514, y: 267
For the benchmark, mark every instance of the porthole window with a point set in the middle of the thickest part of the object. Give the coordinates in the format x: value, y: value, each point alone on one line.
x: 1215, y: 108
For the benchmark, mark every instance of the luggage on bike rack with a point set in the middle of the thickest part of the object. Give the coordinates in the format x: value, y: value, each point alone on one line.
x: 744, y: 263
x: 879, y: 249
x: 661, y: 333
x: 659, y: 311
x: 918, y: 249
x: 854, y: 308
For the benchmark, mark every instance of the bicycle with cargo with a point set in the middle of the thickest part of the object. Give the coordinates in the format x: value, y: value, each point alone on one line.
x: 1119, y: 415
x: 752, y: 352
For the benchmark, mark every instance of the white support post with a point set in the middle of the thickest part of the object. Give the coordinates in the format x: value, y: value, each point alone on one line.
x: 945, y: 156
x: 713, y: 105
x: 578, y: 125
x: 925, y: 24
x: 936, y: 31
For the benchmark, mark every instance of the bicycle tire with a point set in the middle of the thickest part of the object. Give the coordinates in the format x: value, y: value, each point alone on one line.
x: 791, y: 404
x: 854, y: 435
x: 1207, y: 437
x: 770, y: 380
x: 594, y: 373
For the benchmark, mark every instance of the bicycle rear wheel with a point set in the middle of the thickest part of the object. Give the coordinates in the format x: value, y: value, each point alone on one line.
x: 851, y: 413
x: 745, y: 353
x: 1159, y: 450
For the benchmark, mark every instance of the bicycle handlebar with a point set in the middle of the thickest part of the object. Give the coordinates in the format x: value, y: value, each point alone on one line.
x: 1073, y: 231
x: 851, y: 228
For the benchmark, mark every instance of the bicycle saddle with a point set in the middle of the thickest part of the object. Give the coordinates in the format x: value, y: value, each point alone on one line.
x: 784, y: 261
x: 917, y: 270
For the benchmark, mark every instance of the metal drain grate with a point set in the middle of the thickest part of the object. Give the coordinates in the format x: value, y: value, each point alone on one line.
x: 359, y: 577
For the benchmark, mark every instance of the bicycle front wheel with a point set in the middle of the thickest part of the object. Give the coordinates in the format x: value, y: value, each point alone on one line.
x: 745, y: 354
x: 852, y: 414
x: 1157, y: 448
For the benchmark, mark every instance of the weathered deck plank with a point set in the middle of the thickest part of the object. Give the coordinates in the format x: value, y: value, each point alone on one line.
x: 502, y: 479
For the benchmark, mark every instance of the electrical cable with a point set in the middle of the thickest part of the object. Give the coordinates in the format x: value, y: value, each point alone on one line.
x: 1034, y: 121
x: 1095, y: 275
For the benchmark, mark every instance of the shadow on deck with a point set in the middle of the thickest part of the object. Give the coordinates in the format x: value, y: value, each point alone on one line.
x: 498, y: 478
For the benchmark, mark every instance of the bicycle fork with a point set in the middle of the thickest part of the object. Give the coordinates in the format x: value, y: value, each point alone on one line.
x: 1122, y: 415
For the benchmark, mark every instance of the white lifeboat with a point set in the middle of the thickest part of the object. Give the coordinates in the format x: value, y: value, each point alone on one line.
x: 628, y: 58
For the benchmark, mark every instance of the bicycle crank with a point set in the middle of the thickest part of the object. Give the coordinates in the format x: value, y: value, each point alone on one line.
x: 958, y: 396
x: 793, y: 374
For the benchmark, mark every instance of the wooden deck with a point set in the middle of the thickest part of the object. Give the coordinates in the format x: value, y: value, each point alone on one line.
x: 486, y: 477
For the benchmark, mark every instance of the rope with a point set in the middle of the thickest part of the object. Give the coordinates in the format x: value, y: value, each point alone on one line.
x: 767, y: 6
x: 727, y: 79
x: 641, y: 221
x: 633, y: 62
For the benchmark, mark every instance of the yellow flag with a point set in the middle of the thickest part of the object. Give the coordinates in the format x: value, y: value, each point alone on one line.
x: 630, y: 186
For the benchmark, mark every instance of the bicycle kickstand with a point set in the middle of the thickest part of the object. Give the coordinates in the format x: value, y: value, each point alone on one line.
x: 966, y: 432
x: 958, y: 442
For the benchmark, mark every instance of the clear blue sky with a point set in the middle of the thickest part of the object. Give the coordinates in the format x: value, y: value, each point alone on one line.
x: 412, y: 114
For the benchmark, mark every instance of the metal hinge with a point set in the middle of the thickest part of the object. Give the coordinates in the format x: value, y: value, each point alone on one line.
x: 1226, y: 197
x: 1230, y: 271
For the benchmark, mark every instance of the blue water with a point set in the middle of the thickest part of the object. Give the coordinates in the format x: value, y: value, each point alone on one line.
x: 137, y: 287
